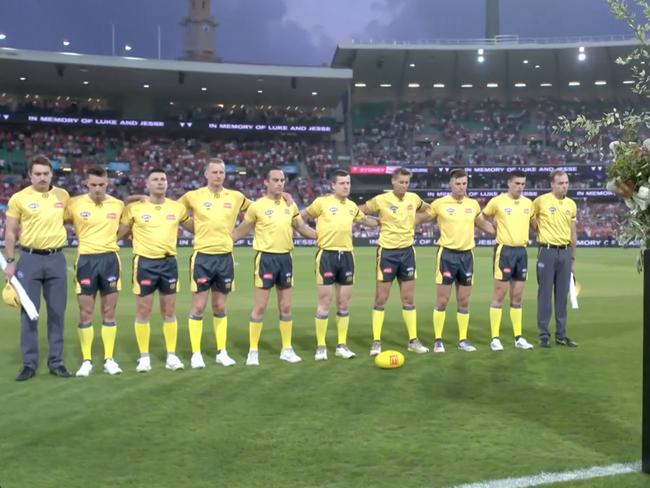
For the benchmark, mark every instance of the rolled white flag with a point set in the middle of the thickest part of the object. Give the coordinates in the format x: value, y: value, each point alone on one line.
x: 25, y: 302
x: 573, y: 295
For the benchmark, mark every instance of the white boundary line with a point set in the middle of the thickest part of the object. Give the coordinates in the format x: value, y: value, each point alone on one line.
x: 548, y: 478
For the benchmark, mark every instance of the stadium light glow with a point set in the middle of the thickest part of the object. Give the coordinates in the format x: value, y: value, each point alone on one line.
x: 127, y: 47
x: 628, y: 82
x: 85, y: 82
x: 2, y: 36
x: 360, y: 85
x: 480, y: 59
x: 385, y: 85
x: 412, y: 65
x: 66, y: 43
x: 520, y: 85
x: 260, y: 91
x: 145, y: 86
x: 171, y: 103
x: 204, y: 88
x: 314, y: 93
x: 574, y: 83
x: 22, y: 78
x: 67, y: 53
x: 466, y: 85
x: 438, y: 85
x: 414, y: 85
x: 582, y: 57
x: 600, y: 83
x: 545, y: 84
x: 481, y: 52
x: 581, y: 49
x: 537, y: 66
x: 525, y: 61
x: 492, y: 85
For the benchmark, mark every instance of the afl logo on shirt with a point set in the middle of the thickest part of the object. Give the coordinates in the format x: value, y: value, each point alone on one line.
x: 508, y: 211
x: 145, y: 217
x: 451, y: 211
x: 334, y: 210
x: 84, y: 215
x: 268, y: 212
x: 393, y: 208
x: 32, y: 206
x: 207, y: 205
x: 552, y: 209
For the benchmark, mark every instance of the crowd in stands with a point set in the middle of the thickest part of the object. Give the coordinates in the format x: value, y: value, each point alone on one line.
x: 60, y: 105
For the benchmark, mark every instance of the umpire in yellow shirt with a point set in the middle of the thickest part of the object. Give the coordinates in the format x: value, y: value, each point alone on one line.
x: 395, y: 255
x: 96, y: 219
x: 214, y: 213
x: 335, y: 215
x: 274, y: 220
x: 555, y: 221
x: 457, y: 215
x: 511, y: 212
x: 36, y: 214
x: 154, y: 223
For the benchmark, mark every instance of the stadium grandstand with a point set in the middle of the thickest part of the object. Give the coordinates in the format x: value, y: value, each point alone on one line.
x: 488, y: 105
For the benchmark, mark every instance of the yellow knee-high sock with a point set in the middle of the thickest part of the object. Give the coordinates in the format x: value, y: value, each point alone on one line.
x: 342, y: 323
x: 142, y: 333
x: 411, y: 322
x: 195, y: 326
x: 495, y: 320
x: 170, y: 332
x: 515, y: 317
x: 86, y: 335
x: 286, y: 326
x: 438, y: 323
x: 109, y: 332
x: 463, y: 324
x: 377, y: 323
x: 220, y: 325
x: 254, y: 333
x: 321, y: 329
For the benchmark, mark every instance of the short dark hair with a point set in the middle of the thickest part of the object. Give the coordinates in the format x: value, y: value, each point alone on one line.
x: 516, y: 174
x: 156, y: 170
x: 99, y: 171
x: 339, y: 172
x: 401, y: 172
x: 556, y: 172
x: 269, y: 169
x: 457, y: 173
x: 39, y: 159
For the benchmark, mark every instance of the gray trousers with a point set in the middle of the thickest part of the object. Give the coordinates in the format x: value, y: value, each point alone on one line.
x: 49, y: 273
x: 553, y: 276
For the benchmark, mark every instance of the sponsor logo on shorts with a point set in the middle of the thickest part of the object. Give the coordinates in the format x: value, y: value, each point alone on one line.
x: 145, y: 217
x: 524, y: 271
x: 267, y: 276
x: 171, y: 280
x: 447, y: 274
x: 111, y: 278
x: 172, y: 286
x: 111, y: 216
x: 33, y: 206
x: 202, y: 280
x: 468, y: 274
x: 388, y: 270
x: 84, y: 215
x: 328, y: 274
x: 58, y: 205
x: 507, y: 270
x: 145, y: 282
x: 171, y: 217
x: 227, y: 284
x: 84, y: 281
x: 348, y: 279
x: 288, y: 275
x: 540, y: 265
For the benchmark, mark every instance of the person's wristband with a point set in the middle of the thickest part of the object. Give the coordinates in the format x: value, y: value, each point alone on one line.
x: 10, y: 260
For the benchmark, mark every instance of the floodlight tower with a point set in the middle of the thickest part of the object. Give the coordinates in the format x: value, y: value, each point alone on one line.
x: 200, y: 31
x: 491, y: 19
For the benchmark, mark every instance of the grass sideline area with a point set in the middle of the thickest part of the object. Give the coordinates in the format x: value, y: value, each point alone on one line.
x: 441, y: 420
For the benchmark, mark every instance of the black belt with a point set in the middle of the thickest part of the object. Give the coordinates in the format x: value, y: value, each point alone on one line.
x: 553, y: 246
x: 43, y: 252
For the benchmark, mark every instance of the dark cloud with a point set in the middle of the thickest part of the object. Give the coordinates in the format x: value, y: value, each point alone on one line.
x: 258, y: 32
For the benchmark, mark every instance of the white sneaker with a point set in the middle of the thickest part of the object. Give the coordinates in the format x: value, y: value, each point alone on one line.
x: 522, y: 343
x: 85, y: 369
x: 252, y: 359
x: 223, y: 359
x: 344, y: 352
x: 495, y: 344
x: 111, y: 367
x: 196, y: 361
x: 417, y: 347
x: 438, y: 346
x: 375, y: 348
x: 466, y: 346
x: 173, y: 362
x: 288, y: 354
x: 144, y: 364
x: 321, y: 353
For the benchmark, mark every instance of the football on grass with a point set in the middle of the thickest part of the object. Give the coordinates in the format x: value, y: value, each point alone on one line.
x: 389, y: 360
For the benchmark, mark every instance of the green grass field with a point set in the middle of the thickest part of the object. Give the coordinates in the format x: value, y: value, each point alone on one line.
x: 438, y: 421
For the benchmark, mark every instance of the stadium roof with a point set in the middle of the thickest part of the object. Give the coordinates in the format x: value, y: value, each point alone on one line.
x: 510, y: 66
x: 64, y: 73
